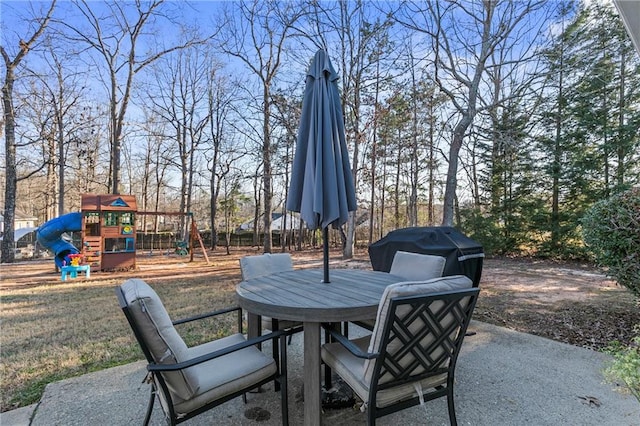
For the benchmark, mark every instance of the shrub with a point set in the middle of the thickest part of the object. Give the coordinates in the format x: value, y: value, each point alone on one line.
x: 482, y: 229
x: 626, y: 364
x: 495, y: 237
x: 611, y: 229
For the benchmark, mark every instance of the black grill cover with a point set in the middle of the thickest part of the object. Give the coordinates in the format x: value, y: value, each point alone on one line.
x: 464, y: 255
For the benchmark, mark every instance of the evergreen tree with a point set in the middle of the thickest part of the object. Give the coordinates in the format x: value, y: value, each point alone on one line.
x: 589, y: 126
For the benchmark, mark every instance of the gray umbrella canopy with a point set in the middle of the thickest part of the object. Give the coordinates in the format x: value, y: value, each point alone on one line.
x: 321, y: 187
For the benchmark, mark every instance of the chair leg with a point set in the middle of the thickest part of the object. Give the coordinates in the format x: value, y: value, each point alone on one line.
x: 284, y: 390
x: 371, y: 416
x: 152, y: 398
x: 451, y: 405
x: 276, y: 352
x: 327, y: 370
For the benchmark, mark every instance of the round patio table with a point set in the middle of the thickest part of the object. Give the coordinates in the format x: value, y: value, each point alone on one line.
x: 300, y: 295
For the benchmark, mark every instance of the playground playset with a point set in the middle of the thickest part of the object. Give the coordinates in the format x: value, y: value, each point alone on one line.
x: 108, y: 233
x: 107, y: 224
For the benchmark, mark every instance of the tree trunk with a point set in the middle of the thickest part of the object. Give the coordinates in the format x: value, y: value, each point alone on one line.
x: 432, y: 163
x: 256, y: 212
x: 467, y: 116
x: 8, y: 241
x: 374, y: 153
x: 557, y: 155
x: 347, y: 252
x: 452, y: 170
x: 621, y: 151
x: 414, y: 174
x: 7, y: 254
x: 396, y: 212
x: 266, y: 159
x: 60, y: 142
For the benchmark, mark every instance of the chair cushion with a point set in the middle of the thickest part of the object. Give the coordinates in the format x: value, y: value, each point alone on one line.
x: 227, y: 374
x: 265, y: 264
x: 351, y: 369
x: 160, y: 336
x: 417, y: 266
x: 403, y: 289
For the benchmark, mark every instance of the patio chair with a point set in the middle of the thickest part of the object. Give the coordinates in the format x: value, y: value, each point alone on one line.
x: 411, y: 355
x: 417, y: 266
x: 191, y: 380
x: 267, y: 264
x: 411, y: 267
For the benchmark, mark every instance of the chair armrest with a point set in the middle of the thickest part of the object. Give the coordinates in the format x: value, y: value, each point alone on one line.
x: 294, y: 330
x: 216, y: 354
x: 349, y: 345
x: 207, y: 315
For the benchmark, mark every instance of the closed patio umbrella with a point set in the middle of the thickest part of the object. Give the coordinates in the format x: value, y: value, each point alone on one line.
x: 321, y: 187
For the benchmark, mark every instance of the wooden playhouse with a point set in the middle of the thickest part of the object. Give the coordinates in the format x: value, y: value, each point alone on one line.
x: 109, y: 231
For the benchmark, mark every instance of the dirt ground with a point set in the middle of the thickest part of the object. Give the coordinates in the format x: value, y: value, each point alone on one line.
x: 573, y: 302
x: 568, y: 302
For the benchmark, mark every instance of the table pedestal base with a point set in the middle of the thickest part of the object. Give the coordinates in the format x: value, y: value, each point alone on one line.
x: 312, y: 406
x: 339, y: 396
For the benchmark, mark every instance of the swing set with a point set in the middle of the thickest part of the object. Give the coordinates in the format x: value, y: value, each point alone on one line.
x: 181, y: 246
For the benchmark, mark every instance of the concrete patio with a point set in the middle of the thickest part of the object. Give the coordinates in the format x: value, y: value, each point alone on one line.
x: 503, y: 378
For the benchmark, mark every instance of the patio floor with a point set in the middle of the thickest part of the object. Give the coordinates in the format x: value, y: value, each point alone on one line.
x: 502, y: 378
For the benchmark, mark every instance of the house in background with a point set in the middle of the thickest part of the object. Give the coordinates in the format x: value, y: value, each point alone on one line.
x: 277, y: 222
x: 21, y: 221
x: 23, y: 236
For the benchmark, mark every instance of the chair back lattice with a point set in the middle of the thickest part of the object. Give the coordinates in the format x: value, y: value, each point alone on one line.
x: 422, y: 337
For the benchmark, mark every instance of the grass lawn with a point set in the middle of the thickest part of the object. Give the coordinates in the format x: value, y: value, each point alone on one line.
x: 53, y: 330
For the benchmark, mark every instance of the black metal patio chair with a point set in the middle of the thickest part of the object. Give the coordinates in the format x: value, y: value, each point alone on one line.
x: 411, y: 355
x: 191, y: 380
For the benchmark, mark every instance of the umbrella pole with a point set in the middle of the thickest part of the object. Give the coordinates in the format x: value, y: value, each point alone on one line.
x: 325, y: 249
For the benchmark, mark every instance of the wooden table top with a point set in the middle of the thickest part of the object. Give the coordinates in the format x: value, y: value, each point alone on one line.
x: 300, y: 295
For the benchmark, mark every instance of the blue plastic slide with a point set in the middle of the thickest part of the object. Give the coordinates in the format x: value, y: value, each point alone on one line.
x: 49, y: 235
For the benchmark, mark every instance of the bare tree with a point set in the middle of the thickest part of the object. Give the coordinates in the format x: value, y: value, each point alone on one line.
x: 220, y: 155
x: 179, y: 97
x: 62, y: 93
x: 160, y: 169
x: 463, y: 36
x: 362, y: 43
x: 87, y: 157
x: 414, y: 172
x: 288, y: 117
x: 11, y: 65
x: 255, y: 33
x: 116, y: 38
x: 230, y: 199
